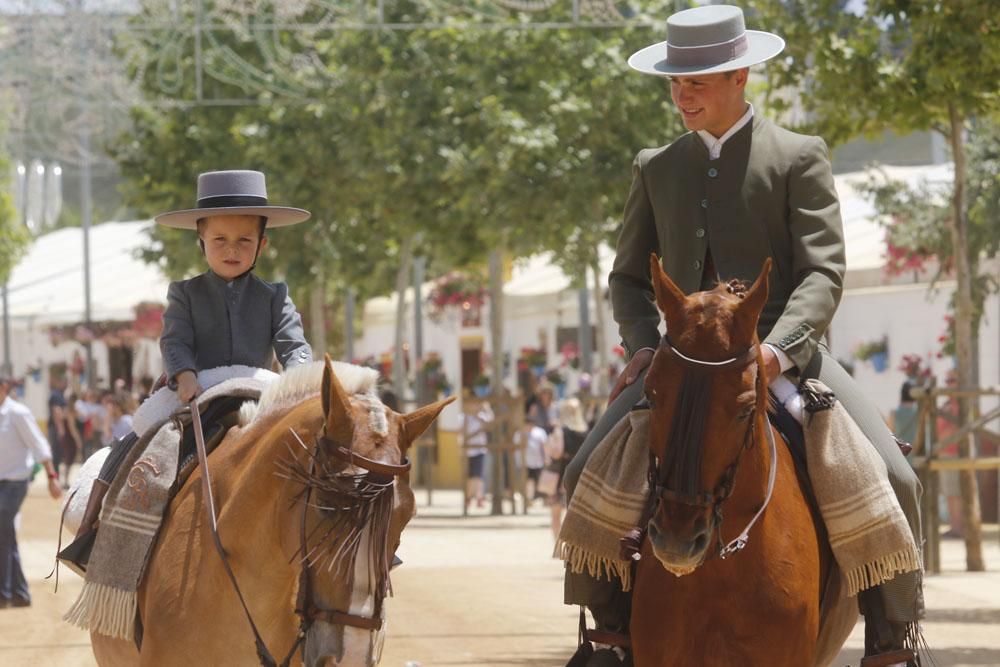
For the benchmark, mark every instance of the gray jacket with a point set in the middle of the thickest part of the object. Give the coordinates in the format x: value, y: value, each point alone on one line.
x: 210, y: 322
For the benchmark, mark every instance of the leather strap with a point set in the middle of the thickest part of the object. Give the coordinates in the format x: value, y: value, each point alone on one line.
x: 349, y: 456
x: 263, y: 654
x: 744, y: 537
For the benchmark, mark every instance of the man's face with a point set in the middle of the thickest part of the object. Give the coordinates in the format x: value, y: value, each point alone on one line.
x: 231, y: 243
x: 712, y: 102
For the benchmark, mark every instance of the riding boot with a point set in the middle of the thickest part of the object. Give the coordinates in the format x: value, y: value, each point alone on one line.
x: 76, y: 555
x: 885, y: 640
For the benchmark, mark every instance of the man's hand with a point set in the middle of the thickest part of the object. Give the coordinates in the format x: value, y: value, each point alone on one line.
x: 638, y: 363
x: 54, y: 489
x: 771, y: 364
x: 187, y: 386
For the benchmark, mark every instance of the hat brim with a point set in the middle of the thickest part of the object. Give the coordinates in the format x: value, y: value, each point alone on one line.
x: 761, y: 46
x: 277, y: 216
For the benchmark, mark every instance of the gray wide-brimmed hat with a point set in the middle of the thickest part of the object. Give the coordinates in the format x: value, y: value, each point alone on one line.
x: 232, y: 192
x: 706, y: 40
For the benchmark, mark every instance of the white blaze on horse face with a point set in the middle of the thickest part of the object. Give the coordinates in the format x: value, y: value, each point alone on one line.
x: 355, y: 646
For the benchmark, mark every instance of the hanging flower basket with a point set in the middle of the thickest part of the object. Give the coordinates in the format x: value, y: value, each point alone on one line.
x: 459, y: 291
x: 875, y: 351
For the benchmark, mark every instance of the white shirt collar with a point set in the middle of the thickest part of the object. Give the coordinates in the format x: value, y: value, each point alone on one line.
x: 714, y: 145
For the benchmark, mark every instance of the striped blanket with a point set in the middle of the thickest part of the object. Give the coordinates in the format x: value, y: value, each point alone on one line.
x: 869, y: 534
x: 608, y: 502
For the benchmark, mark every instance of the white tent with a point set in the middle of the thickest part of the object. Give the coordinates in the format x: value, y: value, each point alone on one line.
x: 46, y: 288
x: 47, y: 285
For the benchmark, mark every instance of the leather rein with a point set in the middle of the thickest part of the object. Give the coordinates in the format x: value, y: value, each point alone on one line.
x: 305, y: 608
x: 658, y: 477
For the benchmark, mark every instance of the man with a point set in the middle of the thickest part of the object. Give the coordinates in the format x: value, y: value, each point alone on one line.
x: 21, y: 445
x: 714, y: 204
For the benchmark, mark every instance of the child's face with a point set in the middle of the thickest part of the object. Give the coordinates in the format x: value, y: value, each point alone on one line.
x: 231, y: 243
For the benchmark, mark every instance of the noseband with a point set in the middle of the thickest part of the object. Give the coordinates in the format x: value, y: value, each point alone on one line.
x: 677, y: 478
x: 377, y: 472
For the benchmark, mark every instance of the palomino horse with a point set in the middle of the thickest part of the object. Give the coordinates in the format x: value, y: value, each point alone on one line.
x: 311, y: 494
x: 757, y: 601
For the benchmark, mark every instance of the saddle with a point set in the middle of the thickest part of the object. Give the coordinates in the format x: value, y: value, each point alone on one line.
x: 217, y: 418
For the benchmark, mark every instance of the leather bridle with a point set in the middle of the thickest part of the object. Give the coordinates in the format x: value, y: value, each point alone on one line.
x: 305, y: 608
x: 658, y: 476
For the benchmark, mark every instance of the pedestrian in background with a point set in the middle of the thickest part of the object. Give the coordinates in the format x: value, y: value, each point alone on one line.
x: 560, y: 448
x: 57, y: 417
x: 21, y: 446
x: 475, y: 431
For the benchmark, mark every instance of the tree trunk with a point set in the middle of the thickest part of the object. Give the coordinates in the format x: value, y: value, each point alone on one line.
x: 317, y: 318
x: 963, y: 343
x: 402, y: 282
x: 496, y: 380
x: 600, y: 319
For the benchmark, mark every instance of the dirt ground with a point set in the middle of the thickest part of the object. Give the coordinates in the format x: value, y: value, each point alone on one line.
x: 481, y: 591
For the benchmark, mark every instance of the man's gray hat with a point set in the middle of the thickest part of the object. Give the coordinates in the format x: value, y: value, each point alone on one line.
x: 233, y: 192
x: 706, y: 40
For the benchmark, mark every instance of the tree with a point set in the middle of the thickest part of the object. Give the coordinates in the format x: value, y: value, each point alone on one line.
x: 906, y: 66
x: 14, y: 236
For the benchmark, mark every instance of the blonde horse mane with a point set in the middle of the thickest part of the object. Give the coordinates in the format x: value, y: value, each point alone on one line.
x: 305, y: 380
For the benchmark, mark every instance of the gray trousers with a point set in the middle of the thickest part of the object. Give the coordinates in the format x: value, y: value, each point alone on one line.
x: 902, y: 596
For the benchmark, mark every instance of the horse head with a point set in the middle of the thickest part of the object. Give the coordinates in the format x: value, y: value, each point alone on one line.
x: 706, y: 396
x: 358, y: 501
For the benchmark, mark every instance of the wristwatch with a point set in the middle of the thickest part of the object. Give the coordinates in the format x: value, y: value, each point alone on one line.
x: 53, y: 475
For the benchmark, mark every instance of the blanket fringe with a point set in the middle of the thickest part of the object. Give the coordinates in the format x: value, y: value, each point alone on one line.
x: 598, y: 567
x: 105, y: 610
x: 881, y: 570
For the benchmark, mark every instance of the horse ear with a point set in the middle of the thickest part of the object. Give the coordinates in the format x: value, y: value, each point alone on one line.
x: 336, y: 407
x: 669, y: 297
x: 748, y: 312
x: 416, y: 422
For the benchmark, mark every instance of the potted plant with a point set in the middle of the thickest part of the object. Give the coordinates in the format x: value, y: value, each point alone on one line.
x: 875, y: 351
x: 558, y: 381
x: 535, y: 359
x: 912, y: 366
x: 570, y: 352
x: 481, y: 385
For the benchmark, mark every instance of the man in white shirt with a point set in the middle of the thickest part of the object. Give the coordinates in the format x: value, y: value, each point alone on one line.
x: 21, y: 446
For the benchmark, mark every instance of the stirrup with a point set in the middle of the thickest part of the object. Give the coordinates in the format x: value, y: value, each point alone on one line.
x: 76, y: 555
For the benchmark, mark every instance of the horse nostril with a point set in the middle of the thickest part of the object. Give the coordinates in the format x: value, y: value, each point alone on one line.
x: 700, y: 543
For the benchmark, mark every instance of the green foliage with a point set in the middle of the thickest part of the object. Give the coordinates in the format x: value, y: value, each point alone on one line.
x: 14, y: 236
x: 889, y: 64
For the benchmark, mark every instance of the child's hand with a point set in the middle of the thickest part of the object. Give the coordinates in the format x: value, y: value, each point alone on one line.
x: 187, y: 386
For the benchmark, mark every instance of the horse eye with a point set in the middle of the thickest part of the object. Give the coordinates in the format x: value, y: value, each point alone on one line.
x: 745, y: 413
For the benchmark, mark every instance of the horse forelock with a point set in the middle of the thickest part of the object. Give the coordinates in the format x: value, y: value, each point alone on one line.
x: 306, y: 380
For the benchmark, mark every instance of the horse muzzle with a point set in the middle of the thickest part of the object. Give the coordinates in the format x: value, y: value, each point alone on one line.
x: 679, y: 554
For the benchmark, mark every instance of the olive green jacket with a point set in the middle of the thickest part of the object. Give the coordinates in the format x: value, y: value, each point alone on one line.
x: 769, y: 194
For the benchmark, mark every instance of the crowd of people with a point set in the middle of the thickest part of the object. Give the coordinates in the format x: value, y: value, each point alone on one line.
x: 553, y: 432
x: 80, y: 421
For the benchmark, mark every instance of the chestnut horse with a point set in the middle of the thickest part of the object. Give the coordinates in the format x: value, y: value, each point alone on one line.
x: 756, y: 600
x: 312, y: 480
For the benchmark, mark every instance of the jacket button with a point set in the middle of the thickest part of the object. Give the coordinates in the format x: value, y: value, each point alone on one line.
x: 713, y: 172
x: 700, y: 233
x: 704, y: 203
x: 697, y: 264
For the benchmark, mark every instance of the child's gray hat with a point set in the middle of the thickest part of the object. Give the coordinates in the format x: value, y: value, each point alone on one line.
x: 232, y: 192
x: 706, y: 40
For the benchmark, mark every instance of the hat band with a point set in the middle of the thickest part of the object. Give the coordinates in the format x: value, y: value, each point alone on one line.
x: 708, y: 54
x: 231, y: 201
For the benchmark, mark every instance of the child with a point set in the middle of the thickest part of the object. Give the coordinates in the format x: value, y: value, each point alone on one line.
x: 215, y: 319
x: 225, y: 316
